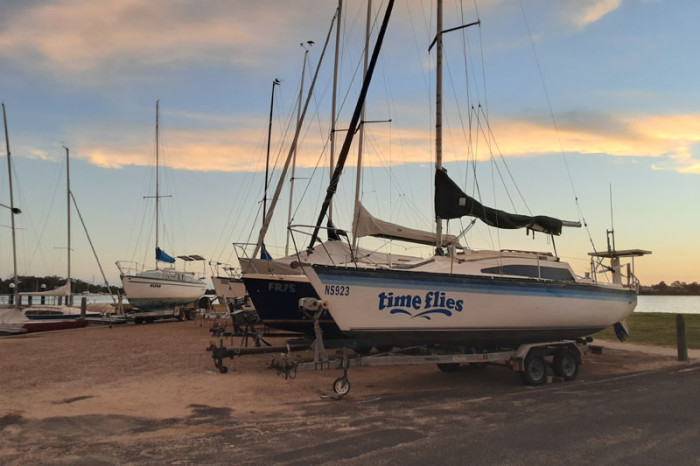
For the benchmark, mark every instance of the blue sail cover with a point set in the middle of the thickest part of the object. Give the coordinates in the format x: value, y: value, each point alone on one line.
x: 264, y: 254
x: 163, y: 256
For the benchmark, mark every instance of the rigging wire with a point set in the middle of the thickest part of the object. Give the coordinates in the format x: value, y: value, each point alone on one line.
x: 556, y: 127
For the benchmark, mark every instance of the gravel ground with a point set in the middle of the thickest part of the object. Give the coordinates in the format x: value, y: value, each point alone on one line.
x: 131, y: 384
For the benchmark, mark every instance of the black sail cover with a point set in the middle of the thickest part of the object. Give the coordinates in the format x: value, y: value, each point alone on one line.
x: 452, y: 202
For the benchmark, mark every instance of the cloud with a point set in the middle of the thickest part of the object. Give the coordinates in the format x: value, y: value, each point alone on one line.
x: 581, y: 14
x: 673, y: 140
x: 75, y: 37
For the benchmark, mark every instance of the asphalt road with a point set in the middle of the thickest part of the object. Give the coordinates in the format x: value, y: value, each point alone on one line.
x: 644, y: 418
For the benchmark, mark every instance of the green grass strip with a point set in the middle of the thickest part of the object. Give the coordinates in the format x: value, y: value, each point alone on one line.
x: 656, y: 328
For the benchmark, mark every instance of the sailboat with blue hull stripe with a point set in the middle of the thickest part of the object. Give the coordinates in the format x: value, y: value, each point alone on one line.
x: 471, y: 299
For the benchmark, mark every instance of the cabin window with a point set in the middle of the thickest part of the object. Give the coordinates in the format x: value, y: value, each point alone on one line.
x: 531, y: 271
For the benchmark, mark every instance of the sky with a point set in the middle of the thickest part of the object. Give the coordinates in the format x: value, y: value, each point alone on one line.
x: 585, y: 111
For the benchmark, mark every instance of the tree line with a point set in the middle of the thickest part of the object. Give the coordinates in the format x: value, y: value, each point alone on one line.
x: 30, y: 283
x: 675, y: 288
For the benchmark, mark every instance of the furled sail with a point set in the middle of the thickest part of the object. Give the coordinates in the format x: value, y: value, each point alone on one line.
x: 452, y: 202
x: 163, y: 256
x: 367, y: 225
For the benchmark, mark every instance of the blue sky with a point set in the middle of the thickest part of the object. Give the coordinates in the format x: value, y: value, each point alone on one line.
x: 602, y: 93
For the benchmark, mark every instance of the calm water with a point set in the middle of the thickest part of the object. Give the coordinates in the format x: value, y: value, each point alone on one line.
x: 670, y: 304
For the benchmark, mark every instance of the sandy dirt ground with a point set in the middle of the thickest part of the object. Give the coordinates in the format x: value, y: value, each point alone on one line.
x: 61, y: 387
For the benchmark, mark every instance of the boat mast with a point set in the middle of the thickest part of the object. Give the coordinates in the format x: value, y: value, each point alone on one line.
x: 157, y: 196
x: 342, y: 158
x: 438, y: 112
x: 294, y: 156
x: 361, y: 136
x: 68, y: 219
x: 438, y: 102
x: 13, y: 211
x: 157, y: 181
x: 334, y: 99
x: 276, y: 82
x: 278, y: 190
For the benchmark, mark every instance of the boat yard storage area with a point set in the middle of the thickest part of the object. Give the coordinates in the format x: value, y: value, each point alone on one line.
x: 151, y: 393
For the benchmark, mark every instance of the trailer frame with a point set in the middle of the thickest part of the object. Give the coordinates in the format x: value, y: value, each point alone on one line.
x: 531, y: 360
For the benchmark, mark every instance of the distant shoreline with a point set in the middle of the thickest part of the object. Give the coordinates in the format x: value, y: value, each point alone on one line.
x: 676, y: 288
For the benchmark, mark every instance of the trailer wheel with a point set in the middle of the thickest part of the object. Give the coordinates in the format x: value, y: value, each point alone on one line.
x: 535, y: 372
x: 449, y: 366
x: 341, y: 386
x: 565, y: 364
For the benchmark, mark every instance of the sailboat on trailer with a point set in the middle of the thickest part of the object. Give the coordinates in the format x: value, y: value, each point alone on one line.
x: 471, y: 299
x: 160, y: 288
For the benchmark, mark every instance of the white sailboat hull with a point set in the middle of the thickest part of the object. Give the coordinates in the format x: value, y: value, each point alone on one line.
x: 412, y: 307
x: 228, y: 288
x: 149, y: 294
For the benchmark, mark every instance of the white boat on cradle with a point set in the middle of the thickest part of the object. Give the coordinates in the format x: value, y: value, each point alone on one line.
x: 227, y: 282
x: 160, y: 288
x: 157, y: 289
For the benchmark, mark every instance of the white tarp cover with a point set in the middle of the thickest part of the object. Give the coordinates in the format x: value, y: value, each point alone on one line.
x: 329, y: 253
x: 367, y: 225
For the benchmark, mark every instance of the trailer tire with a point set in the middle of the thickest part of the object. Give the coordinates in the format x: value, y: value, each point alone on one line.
x: 341, y: 386
x: 565, y: 364
x: 535, y: 372
x: 449, y: 366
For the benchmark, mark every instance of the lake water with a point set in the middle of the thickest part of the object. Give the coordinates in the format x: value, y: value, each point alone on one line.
x: 669, y: 304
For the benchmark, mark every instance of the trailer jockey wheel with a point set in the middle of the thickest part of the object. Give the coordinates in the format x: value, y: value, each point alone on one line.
x: 341, y: 386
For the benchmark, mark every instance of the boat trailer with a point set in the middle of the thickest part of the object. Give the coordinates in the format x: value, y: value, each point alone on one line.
x: 530, y: 360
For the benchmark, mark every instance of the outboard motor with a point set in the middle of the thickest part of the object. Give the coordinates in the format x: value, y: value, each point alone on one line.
x: 622, y: 330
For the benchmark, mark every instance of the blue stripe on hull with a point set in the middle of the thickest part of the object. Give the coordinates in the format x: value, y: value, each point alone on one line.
x: 469, y: 284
